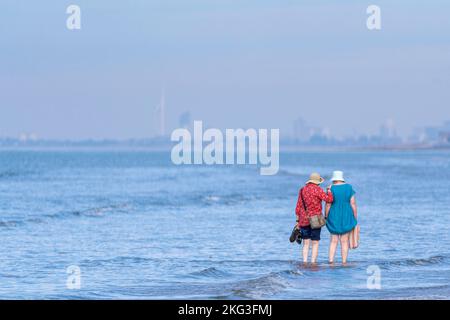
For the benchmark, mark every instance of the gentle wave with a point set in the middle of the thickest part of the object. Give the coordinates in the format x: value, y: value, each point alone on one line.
x: 300, y: 173
x: 121, y: 260
x: 283, y: 172
x: 260, y: 287
x: 210, y: 272
x: 430, y: 292
x: 250, y: 262
x: 18, y: 223
x: 10, y: 174
x: 10, y: 223
x: 92, y: 212
x: 438, y: 259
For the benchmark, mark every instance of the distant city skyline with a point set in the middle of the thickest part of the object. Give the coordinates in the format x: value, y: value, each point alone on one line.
x: 252, y: 64
x: 301, y: 130
x: 303, y: 135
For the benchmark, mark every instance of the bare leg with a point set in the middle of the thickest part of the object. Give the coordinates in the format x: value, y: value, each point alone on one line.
x: 315, y: 251
x: 306, y: 244
x: 344, y: 247
x: 333, y: 246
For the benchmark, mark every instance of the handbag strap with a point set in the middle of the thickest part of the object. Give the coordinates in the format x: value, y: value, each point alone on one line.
x: 303, y: 202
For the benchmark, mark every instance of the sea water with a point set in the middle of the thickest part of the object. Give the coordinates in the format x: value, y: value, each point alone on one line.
x: 138, y: 227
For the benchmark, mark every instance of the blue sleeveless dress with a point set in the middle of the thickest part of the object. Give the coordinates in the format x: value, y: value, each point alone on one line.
x: 340, y: 218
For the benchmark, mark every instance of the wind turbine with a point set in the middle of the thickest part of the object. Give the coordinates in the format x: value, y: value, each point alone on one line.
x: 160, y: 108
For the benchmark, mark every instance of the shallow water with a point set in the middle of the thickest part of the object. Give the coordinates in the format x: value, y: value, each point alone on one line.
x: 140, y: 227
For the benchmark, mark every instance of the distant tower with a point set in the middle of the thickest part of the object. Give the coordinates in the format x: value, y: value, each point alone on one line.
x: 161, y: 111
x: 387, y: 130
x: 302, y: 132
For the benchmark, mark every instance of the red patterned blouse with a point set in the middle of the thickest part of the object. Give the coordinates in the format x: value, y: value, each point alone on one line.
x: 313, y: 196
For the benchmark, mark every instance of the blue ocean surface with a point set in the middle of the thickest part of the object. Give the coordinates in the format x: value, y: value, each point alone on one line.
x: 139, y: 227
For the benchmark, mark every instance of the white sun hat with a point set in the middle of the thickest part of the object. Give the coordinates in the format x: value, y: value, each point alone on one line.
x: 338, y: 176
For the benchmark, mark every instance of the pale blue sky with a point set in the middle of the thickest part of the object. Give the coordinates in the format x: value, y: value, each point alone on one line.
x: 249, y: 63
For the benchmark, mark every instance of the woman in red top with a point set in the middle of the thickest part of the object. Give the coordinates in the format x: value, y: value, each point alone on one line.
x: 311, y: 197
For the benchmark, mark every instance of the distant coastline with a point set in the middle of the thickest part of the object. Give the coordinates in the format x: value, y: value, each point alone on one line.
x: 163, y: 144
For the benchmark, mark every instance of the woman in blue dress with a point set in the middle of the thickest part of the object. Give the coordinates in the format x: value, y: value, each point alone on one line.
x: 341, y: 215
